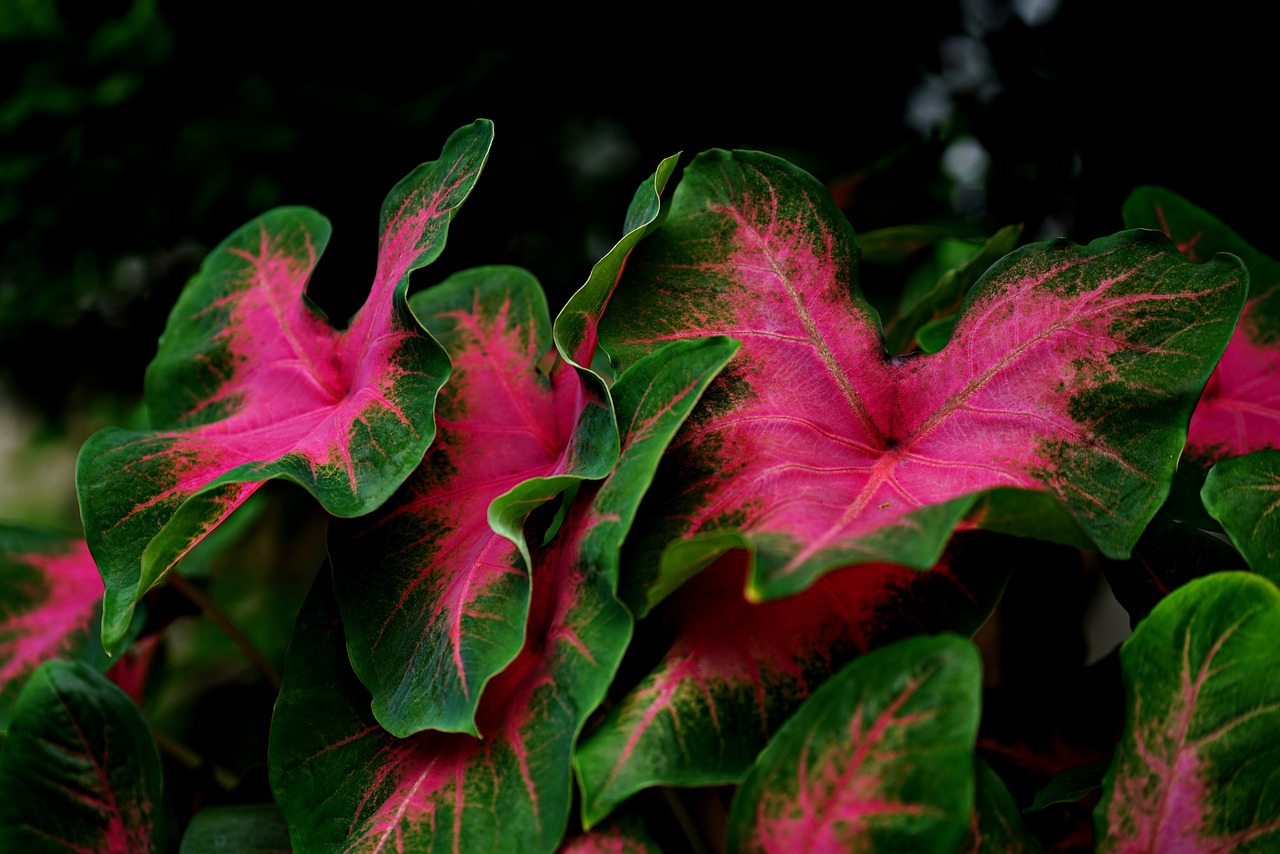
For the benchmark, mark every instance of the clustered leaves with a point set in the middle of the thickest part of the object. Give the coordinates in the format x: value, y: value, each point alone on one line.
x: 712, y: 532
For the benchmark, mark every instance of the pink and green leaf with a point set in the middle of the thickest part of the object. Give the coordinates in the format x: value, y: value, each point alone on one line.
x: 1196, y: 769
x: 1243, y: 493
x: 577, y: 324
x: 252, y: 382
x: 79, y: 771
x: 346, y: 784
x: 935, y: 292
x: 734, y: 670
x: 433, y: 587
x: 50, y: 605
x: 1239, y: 411
x: 1071, y: 374
x: 623, y: 835
x: 880, y: 758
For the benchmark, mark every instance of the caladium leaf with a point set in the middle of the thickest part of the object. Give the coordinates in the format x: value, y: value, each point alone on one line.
x: 1182, y: 542
x: 1071, y: 373
x: 240, y: 829
x: 1071, y: 785
x: 433, y: 587
x: 577, y: 324
x: 880, y: 758
x: 624, y: 835
x: 50, y: 604
x: 79, y: 771
x: 996, y: 826
x: 1243, y: 493
x: 704, y: 713
x: 1196, y: 768
x: 345, y: 784
x: 251, y: 382
x: 1239, y: 411
x: 962, y: 263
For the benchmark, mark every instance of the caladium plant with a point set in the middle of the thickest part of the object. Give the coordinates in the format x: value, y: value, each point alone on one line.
x: 714, y: 556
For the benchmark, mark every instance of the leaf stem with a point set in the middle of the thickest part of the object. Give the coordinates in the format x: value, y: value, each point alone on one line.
x: 687, y: 824
x: 230, y: 629
x: 190, y: 759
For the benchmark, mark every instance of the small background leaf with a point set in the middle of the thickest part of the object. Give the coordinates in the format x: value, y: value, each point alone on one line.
x: 79, y: 770
x: 1243, y: 493
x: 1197, y: 767
x: 879, y: 758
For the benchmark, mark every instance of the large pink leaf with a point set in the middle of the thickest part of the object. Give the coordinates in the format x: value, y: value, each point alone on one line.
x: 50, y: 596
x: 1070, y: 375
x: 345, y: 784
x: 252, y: 382
x: 1239, y: 411
x: 433, y: 596
x: 1196, y: 769
x: 733, y: 670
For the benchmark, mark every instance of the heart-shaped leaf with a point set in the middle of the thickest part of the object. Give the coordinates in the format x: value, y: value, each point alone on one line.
x: 880, y: 758
x: 1071, y: 373
x: 433, y: 587
x: 1243, y: 493
x: 50, y: 601
x: 79, y: 770
x: 1196, y: 769
x: 252, y: 382
x: 346, y: 784
x: 1239, y: 411
x: 721, y: 689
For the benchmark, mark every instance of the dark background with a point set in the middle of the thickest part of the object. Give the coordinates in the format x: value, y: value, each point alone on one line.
x: 134, y: 136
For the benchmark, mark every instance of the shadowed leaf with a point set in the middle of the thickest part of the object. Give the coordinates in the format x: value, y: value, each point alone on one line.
x: 79, y: 771
x: 734, y: 671
x: 1243, y: 493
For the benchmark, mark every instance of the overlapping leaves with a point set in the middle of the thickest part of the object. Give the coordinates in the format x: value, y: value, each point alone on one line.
x: 252, y: 382
x: 1070, y: 376
x: 50, y: 602
x: 347, y: 784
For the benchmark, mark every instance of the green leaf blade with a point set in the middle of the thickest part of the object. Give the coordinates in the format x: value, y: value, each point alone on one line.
x: 79, y: 770
x: 880, y: 758
x: 1196, y: 767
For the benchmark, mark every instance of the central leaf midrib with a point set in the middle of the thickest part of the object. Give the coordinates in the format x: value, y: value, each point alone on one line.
x: 819, y: 345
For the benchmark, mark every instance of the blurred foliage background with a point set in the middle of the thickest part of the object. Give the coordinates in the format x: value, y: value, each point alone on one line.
x: 136, y: 134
